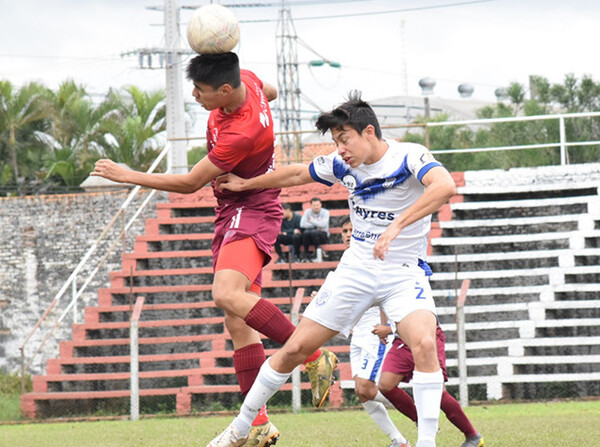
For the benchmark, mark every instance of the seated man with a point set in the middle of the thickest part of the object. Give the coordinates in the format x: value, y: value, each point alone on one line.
x: 290, y: 234
x: 315, y: 222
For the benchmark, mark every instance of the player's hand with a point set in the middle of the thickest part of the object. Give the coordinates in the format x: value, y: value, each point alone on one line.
x: 230, y: 182
x: 382, y: 331
x: 382, y: 245
x: 110, y: 170
x: 313, y: 294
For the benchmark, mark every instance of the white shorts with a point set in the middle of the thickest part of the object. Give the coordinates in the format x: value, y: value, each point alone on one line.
x: 366, y: 362
x: 350, y: 290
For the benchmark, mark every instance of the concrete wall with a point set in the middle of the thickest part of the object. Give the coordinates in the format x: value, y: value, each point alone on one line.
x: 42, y: 239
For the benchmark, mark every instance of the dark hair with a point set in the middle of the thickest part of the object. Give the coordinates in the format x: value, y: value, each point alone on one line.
x: 215, y: 69
x: 345, y: 220
x: 286, y: 206
x: 354, y: 113
x: 315, y: 199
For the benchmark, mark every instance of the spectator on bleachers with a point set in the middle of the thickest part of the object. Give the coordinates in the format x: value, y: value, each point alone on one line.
x: 315, y: 222
x: 291, y: 234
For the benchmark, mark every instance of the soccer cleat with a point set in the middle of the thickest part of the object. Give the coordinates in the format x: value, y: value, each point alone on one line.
x: 474, y: 441
x: 320, y: 373
x: 263, y: 435
x: 397, y: 443
x: 230, y: 437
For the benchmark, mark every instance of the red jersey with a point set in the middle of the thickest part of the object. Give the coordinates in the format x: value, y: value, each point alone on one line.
x: 242, y: 142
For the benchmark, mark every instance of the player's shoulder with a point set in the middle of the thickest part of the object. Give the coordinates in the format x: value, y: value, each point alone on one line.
x: 405, y: 147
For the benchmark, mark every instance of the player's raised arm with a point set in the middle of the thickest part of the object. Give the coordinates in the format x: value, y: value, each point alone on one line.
x: 270, y: 91
x: 290, y: 175
x: 202, y: 173
x: 439, y: 187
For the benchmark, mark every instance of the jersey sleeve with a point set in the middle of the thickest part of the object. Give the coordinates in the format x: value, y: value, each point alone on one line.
x: 322, y: 169
x: 247, y: 74
x: 229, y: 151
x: 420, y: 161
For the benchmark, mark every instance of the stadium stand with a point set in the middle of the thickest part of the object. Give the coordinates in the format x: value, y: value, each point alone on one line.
x: 530, y: 250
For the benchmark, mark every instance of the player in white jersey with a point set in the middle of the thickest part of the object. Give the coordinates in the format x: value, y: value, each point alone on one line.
x: 366, y: 360
x: 394, y: 188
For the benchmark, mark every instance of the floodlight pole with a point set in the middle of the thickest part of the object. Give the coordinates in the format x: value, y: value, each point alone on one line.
x: 175, y: 105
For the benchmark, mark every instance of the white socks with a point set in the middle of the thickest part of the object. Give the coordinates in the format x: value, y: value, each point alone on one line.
x: 427, y: 392
x: 267, y: 383
x: 380, y: 416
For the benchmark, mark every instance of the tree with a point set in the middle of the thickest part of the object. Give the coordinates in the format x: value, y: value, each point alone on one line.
x: 21, y: 110
x: 74, y: 134
x: 132, y: 135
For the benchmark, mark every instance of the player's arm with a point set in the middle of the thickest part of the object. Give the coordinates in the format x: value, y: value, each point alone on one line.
x: 270, y: 91
x: 290, y: 175
x: 202, y: 173
x: 439, y: 187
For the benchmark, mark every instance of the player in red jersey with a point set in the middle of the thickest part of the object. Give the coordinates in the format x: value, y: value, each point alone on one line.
x: 398, y: 366
x: 240, y: 140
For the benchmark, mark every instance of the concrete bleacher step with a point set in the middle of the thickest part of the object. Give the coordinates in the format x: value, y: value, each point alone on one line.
x: 513, y: 260
x: 523, y: 208
x: 532, y: 191
x: 504, y: 243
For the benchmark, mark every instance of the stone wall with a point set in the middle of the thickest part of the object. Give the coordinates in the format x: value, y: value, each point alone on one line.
x: 42, y: 239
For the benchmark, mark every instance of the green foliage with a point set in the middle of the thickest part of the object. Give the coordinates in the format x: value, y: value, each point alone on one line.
x: 10, y: 384
x: 196, y: 154
x: 572, y: 96
x: 50, y: 140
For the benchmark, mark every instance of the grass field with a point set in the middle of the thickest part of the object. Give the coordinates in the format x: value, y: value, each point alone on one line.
x: 509, y: 425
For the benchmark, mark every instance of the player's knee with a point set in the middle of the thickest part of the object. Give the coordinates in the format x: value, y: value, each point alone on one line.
x: 224, y: 294
x: 295, y: 353
x: 388, y: 382
x: 425, y: 351
x: 365, y: 390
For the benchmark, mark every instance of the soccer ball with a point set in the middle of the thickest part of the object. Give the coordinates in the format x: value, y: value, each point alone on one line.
x: 213, y: 29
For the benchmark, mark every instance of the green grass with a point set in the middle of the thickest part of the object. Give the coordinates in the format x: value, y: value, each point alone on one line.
x: 510, y: 425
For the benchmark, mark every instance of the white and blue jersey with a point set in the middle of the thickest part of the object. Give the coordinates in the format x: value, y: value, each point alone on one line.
x: 379, y: 193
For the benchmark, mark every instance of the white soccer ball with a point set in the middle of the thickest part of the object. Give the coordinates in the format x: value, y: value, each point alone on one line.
x: 213, y: 29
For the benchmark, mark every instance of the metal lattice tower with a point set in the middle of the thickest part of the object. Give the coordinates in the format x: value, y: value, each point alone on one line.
x: 288, y: 85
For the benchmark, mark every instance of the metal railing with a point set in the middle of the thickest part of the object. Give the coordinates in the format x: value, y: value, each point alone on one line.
x: 76, y: 293
x: 71, y: 282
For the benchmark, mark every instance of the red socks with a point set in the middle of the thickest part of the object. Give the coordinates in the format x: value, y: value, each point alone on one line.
x: 269, y: 320
x: 247, y: 362
x: 456, y: 415
x: 403, y: 402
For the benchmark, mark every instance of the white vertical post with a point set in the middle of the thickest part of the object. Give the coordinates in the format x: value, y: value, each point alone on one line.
x: 73, y: 295
x: 177, y: 163
x: 563, y: 140
x: 296, y: 389
x: 134, y: 360
x: 461, y: 344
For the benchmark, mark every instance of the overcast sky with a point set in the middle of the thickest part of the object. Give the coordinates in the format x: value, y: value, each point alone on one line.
x: 485, y: 43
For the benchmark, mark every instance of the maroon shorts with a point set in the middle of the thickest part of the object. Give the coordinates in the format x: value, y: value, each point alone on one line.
x: 236, y: 222
x: 399, y: 359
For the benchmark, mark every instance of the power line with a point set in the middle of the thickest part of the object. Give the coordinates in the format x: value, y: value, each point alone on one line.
x: 371, y: 13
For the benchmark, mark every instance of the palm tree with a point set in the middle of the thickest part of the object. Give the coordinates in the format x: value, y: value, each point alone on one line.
x: 75, y: 132
x: 132, y: 136
x: 20, y: 110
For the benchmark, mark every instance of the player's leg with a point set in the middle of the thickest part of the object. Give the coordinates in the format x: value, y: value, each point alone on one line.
x: 410, y: 304
x: 239, y: 263
x: 365, y: 363
x: 417, y: 330
x: 397, y: 367
x: 274, y: 373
